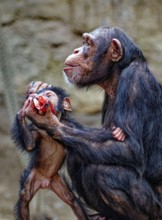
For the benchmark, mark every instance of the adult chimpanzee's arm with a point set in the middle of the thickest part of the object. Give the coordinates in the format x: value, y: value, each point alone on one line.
x: 98, y: 146
x: 93, y: 145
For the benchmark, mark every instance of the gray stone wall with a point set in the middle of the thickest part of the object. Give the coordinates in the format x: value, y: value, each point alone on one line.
x: 39, y: 34
x: 35, y: 38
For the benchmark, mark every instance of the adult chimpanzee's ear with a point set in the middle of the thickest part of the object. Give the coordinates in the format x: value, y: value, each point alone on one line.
x: 115, y: 50
x: 67, y: 104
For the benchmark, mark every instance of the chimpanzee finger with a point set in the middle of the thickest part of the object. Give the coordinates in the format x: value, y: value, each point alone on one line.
x: 29, y: 109
x: 35, y: 86
x: 121, y: 137
x: 31, y: 86
x: 118, y: 134
x: 50, y: 114
x: 26, y: 104
x: 43, y: 86
x: 116, y: 131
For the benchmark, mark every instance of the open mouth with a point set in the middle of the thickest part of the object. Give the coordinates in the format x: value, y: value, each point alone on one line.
x: 40, y: 103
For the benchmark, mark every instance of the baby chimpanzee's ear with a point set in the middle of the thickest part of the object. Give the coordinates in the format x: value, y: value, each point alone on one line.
x: 67, y: 104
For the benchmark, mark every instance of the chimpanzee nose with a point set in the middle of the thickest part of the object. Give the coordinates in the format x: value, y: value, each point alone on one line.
x: 76, y: 51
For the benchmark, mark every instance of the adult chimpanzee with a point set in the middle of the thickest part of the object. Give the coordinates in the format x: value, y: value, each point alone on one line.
x: 121, y: 180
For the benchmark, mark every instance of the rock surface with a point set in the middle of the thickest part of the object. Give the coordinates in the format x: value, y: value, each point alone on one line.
x: 40, y: 34
x: 35, y: 38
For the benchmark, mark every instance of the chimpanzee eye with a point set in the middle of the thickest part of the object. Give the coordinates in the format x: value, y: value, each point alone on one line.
x: 88, y: 44
x: 49, y: 94
x: 83, y: 42
x: 85, y: 51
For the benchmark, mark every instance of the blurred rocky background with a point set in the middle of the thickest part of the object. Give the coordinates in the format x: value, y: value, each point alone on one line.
x: 35, y: 38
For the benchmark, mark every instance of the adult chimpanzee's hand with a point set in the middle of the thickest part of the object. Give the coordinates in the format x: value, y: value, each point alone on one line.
x: 46, y: 121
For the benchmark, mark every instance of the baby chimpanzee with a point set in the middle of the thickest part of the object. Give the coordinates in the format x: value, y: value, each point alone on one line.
x: 45, y: 154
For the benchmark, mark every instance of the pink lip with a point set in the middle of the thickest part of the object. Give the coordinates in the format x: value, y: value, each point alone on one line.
x: 38, y: 105
x: 69, y: 64
x: 68, y: 69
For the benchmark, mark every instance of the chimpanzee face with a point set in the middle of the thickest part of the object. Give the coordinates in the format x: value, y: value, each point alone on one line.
x: 45, y: 97
x: 79, y: 64
x: 90, y: 63
x: 49, y: 97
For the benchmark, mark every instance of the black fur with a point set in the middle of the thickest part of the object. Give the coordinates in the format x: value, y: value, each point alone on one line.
x: 120, y: 179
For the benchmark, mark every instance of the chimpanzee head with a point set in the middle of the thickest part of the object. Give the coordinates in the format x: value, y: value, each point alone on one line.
x: 55, y: 97
x: 104, y: 51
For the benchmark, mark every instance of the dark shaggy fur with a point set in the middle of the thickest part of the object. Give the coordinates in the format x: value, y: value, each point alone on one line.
x: 120, y: 179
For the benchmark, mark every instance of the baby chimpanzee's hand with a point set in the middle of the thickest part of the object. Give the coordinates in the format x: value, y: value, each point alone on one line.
x: 35, y: 86
x: 118, y: 134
